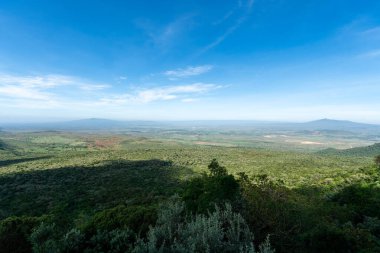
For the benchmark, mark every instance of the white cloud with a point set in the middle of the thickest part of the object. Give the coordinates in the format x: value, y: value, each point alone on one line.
x: 46, y: 81
x: 35, y: 87
x: 161, y: 93
x: 189, y: 71
x: 46, y: 93
x: 169, y: 93
x: 41, y: 91
x: 23, y: 92
x: 93, y: 87
x: 30, y: 87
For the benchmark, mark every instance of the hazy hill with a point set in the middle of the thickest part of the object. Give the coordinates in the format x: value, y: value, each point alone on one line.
x: 370, y: 151
x: 107, y: 125
x: 331, y: 124
x: 92, y: 123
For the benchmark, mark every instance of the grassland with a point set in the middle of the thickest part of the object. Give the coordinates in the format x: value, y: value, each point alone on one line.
x: 87, y: 160
x: 72, y: 176
x: 52, y: 150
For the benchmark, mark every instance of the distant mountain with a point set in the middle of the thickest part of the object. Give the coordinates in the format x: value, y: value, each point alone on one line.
x: 92, y: 123
x: 97, y: 124
x: 332, y: 123
x: 370, y: 151
x: 338, y: 125
x: 326, y: 126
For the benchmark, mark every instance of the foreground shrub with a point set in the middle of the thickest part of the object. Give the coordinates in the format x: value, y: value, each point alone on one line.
x: 219, y: 231
x: 203, y: 193
x: 335, y: 238
x: 362, y: 198
x: 137, y: 218
x: 15, y: 232
x: 377, y: 161
x: 46, y: 239
x: 269, y: 208
x: 72, y: 241
x: 115, y: 241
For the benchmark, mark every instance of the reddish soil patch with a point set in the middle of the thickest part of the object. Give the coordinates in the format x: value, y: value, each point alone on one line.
x: 104, y: 142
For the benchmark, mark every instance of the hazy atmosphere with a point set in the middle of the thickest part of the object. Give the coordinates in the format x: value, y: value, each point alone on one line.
x: 190, y: 60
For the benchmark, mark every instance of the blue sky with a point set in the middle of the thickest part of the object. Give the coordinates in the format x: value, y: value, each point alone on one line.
x: 287, y: 60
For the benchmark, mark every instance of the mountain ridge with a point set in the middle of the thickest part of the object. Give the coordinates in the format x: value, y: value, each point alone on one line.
x: 370, y: 151
x: 111, y: 124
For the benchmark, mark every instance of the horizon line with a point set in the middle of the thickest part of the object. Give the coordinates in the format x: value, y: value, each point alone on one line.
x: 183, y: 120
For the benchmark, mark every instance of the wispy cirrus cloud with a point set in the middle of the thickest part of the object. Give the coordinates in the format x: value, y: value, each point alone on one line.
x: 358, y: 31
x: 371, y: 54
x: 161, y: 94
x: 165, y: 36
x: 362, y: 37
x: 244, y: 8
x: 371, y: 32
x: 187, y: 72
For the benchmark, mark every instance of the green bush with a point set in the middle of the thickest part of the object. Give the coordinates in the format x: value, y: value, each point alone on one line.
x: 15, y: 232
x: 114, y: 241
x: 72, y: 241
x: 270, y: 208
x: 137, y: 218
x: 45, y: 239
x: 361, y: 198
x: 217, y: 170
x: 377, y: 161
x: 219, y: 231
x: 332, y: 237
x: 202, y: 193
x: 372, y: 224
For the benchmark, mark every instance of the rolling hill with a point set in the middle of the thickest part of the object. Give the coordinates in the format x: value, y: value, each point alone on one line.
x: 369, y: 151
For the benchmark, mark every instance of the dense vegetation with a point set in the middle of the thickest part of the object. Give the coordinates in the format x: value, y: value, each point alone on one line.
x: 113, y: 193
